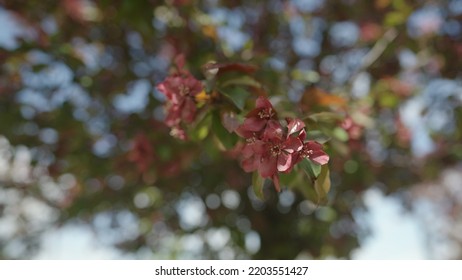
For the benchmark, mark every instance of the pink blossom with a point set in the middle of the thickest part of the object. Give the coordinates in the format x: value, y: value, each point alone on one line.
x: 180, y: 89
x: 312, y: 150
x: 142, y: 153
x: 180, y: 86
x: 257, y: 119
x: 272, y: 148
x: 272, y: 154
x: 352, y: 128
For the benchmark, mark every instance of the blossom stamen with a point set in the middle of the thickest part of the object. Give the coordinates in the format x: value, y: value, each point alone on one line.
x: 275, y: 150
x: 251, y: 140
x: 184, y: 90
x: 266, y: 114
x: 307, y: 153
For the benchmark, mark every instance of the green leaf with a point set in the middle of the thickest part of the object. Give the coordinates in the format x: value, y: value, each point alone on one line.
x: 340, y: 134
x: 325, y: 117
x: 241, y: 81
x: 226, y: 139
x: 305, y: 76
x: 237, y: 95
x: 164, y: 152
x: 402, y: 6
x: 287, y: 179
x: 202, y: 128
x: 317, y: 136
x: 322, y: 184
x: 395, y: 18
x: 311, y: 168
x: 389, y: 100
x: 305, y: 185
x: 339, y: 147
x: 257, y: 185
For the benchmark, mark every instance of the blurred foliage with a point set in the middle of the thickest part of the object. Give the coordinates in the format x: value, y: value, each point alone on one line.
x: 84, y: 139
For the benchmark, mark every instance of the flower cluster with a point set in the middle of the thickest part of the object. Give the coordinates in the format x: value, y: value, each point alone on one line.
x: 142, y: 153
x: 270, y: 147
x: 180, y: 89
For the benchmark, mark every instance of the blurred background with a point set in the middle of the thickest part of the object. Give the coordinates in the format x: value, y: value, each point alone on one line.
x: 88, y: 169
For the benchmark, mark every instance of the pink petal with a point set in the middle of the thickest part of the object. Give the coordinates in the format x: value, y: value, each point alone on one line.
x: 170, y: 87
x: 312, y: 145
x: 179, y: 133
x: 250, y: 164
x: 302, y: 135
x: 180, y: 61
x: 347, y: 123
x: 244, y: 133
x: 250, y: 126
x: 294, y: 126
x: 254, y: 124
x: 189, y: 110
x: 259, y: 147
x: 284, y: 162
x: 292, y: 145
x: 320, y: 157
x: 165, y: 89
x: 296, y: 158
x: 273, y: 131
x: 267, y: 166
x: 173, y: 116
x: 195, y: 86
x: 263, y: 102
x: 247, y: 151
x: 161, y: 87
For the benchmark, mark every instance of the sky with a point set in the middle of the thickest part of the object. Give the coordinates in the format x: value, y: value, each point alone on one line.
x: 395, y: 235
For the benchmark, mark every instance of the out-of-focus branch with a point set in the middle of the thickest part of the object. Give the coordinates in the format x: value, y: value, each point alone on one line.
x: 378, y: 49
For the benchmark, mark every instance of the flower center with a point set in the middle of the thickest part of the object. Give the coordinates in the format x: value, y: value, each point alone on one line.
x: 251, y: 140
x: 184, y: 91
x: 266, y: 113
x: 307, y: 153
x: 275, y: 150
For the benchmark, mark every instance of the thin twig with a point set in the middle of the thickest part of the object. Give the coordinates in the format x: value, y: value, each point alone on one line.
x: 378, y: 49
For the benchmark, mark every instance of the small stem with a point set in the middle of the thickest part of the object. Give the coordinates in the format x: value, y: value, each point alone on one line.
x: 376, y: 51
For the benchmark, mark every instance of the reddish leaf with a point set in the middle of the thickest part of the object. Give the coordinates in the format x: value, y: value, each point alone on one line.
x: 230, y: 67
x: 142, y: 153
x: 314, y: 96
